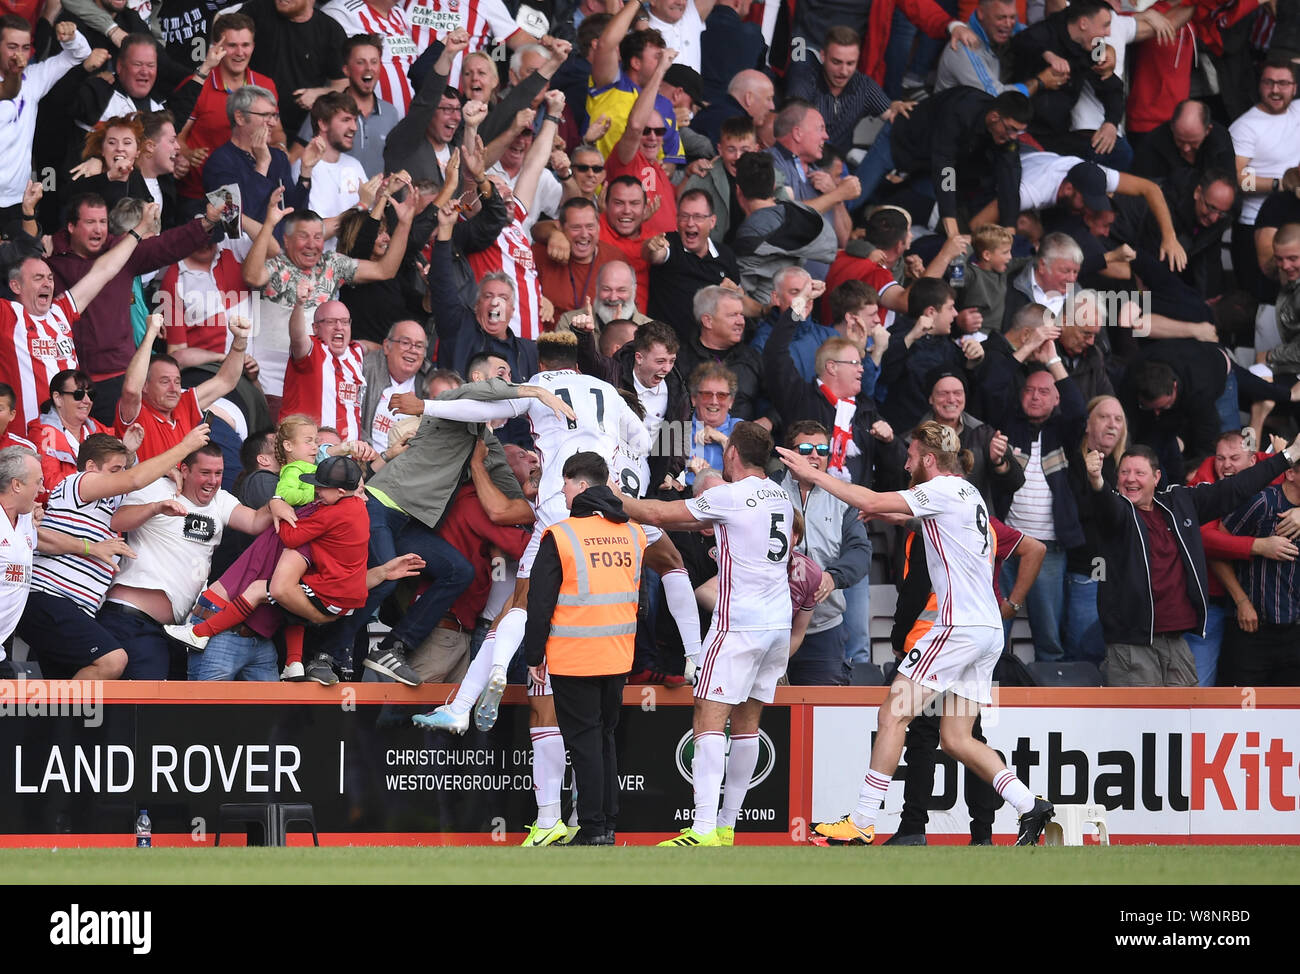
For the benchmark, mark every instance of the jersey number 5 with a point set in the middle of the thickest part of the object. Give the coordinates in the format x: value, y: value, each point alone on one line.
x: 777, y: 534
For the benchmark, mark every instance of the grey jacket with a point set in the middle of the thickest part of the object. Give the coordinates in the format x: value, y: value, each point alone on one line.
x: 1286, y: 357
x: 714, y: 182
x: 423, y: 480
x: 835, y: 539
x: 374, y: 368
x: 775, y: 237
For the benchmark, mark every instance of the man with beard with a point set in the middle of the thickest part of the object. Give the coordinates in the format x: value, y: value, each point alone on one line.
x: 616, y: 296
x: 334, y: 176
x: 570, y: 283
x: 375, y: 117
x: 1264, y: 139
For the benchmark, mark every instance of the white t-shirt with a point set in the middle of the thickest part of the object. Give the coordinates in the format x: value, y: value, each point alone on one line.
x: 683, y: 36
x: 752, y: 521
x: 385, y: 419
x: 335, y: 186
x: 959, y: 548
x: 1088, y: 113
x: 174, y: 554
x: 17, y: 542
x: 1041, y: 175
x: 1270, y: 142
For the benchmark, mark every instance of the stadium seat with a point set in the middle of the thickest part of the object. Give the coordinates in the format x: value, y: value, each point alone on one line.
x: 884, y: 602
x: 866, y: 675
x: 287, y: 812
x: 1072, y: 674
x: 250, y: 815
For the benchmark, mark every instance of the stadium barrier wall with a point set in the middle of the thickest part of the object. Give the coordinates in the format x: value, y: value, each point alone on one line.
x: 79, y: 760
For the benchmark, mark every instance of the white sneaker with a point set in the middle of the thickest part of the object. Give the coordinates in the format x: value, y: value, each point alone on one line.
x: 185, y: 634
x: 689, y: 673
x: 293, y: 673
x: 489, y: 703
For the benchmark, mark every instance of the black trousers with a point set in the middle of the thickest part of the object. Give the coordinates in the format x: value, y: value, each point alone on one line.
x: 921, y: 755
x: 587, y: 709
x: 1269, y: 657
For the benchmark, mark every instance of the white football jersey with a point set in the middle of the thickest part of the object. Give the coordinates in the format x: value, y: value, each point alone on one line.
x: 752, y: 521
x: 603, y: 421
x: 959, y: 548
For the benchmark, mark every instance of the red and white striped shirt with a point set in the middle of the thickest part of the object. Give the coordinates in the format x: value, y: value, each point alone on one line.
x: 326, y: 387
x: 33, y: 349
x: 513, y: 254
x: 359, y: 17
x: 486, y: 21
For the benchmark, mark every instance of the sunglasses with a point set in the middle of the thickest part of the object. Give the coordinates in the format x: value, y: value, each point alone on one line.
x: 580, y: 167
x: 78, y: 394
x: 655, y: 130
x: 807, y: 449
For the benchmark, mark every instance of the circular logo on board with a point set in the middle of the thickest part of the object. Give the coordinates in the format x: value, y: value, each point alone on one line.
x: 685, y: 756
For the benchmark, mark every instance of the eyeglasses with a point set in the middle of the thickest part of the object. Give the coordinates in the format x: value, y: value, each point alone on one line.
x: 693, y: 217
x: 78, y: 394
x: 655, y: 130
x: 406, y: 344
x: 1270, y: 83
x: 449, y: 109
x: 807, y: 449
x: 1214, y: 209
x: 580, y: 167
x: 264, y: 114
x: 713, y: 395
x: 333, y: 321
x: 855, y: 362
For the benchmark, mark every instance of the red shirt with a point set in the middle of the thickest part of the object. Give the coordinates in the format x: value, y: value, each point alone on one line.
x: 513, y: 255
x: 1174, y: 612
x: 657, y: 186
x: 34, y: 349
x: 161, y: 433
x: 211, y: 128
x: 568, y: 286
x: 339, y: 536
x: 846, y: 268
x: 630, y: 248
x: 469, y: 530
x: 184, y: 324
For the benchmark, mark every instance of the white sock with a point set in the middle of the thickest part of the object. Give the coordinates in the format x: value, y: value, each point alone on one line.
x: 510, y: 635
x: 684, y: 609
x: 548, y: 773
x: 706, y: 771
x: 475, y: 678
x: 1013, y: 790
x: 572, y: 820
x: 740, y: 769
x: 870, y: 798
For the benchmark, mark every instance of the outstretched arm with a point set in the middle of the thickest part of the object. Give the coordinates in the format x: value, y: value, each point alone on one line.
x: 865, y: 500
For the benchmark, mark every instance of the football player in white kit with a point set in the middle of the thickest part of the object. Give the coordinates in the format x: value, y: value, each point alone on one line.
x: 603, y: 424
x: 956, y: 657
x: 748, y: 643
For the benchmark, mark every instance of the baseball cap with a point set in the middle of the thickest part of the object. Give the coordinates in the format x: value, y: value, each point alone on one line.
x: 1090, y: 181
x: 688, y: 79
x: 341, y: 472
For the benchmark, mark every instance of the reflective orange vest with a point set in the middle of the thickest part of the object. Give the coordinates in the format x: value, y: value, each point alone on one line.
x: 594, y: 624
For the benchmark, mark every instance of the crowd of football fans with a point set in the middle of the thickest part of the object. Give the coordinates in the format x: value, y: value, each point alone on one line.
x: 239, y: 238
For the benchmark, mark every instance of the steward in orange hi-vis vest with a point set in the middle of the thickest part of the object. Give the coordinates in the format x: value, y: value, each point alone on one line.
x: 582, y: 606
x: 594, y: 623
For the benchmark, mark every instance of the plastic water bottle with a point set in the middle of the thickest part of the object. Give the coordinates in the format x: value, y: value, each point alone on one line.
x: 957, y: 271
x: 143, y: 830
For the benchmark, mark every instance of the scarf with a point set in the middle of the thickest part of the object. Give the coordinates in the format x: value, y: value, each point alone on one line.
x: 842, y: 445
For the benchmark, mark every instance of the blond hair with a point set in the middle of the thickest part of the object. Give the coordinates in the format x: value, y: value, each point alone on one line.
x: 944, y: 445
x: 990, y: 237
x: 289, y: 428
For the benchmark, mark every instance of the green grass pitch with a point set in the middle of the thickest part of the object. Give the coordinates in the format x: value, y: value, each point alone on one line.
x: 1167, y: 865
